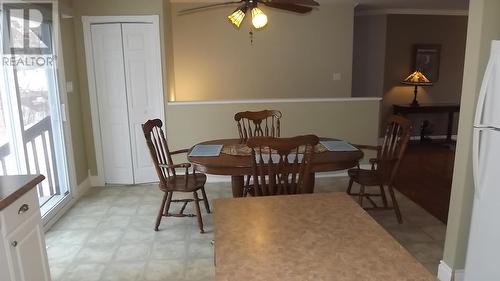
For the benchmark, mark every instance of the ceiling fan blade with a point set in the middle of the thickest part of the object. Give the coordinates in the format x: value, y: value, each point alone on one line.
x: 289, y: 7
x: 296, y: 2
x: 196, y: 9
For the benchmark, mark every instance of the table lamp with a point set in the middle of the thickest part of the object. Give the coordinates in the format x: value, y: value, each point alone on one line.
x: 416, y: 79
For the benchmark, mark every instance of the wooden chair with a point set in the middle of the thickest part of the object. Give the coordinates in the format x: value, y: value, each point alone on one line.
x: 279, y: 167
x: 170, y: 182
x: 385, y: 167
x: 265, y: 123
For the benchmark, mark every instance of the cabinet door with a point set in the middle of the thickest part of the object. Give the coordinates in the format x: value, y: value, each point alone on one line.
x: 28, y: 253
x: 112, y: 103
x: 142, y: 58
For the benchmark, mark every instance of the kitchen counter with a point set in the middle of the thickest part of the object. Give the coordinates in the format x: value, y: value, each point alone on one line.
x: 324, y: 236
x: 13, y: 187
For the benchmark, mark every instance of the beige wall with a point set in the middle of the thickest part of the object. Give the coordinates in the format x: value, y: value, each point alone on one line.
x: 295, y: 56
x: 403, y: 31
x: 484, y: 26
x: 74, y: 100
x: 369, y: 56
x: 215, y: 61
x: 190, y: 124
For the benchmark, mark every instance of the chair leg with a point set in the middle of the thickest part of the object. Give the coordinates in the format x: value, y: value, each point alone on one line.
x: 167, y: 204
x: 205, y: 199
x: 382, y: 193
x: 361, y: 195
x: 351, y: 181
x: 395, y: 205
x: 160, y: 213
x: 198, y: 211
x: 246, y: 188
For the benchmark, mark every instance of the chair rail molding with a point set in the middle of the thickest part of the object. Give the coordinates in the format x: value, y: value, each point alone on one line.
x: 259, y: 101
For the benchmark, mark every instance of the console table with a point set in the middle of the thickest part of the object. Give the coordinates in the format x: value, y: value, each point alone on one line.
x: 450, y: 109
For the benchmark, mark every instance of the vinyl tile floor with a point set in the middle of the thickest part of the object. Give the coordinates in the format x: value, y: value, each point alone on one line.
x: 108, y: 235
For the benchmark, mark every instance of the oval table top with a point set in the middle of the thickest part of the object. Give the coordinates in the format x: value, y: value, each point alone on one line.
x: 240, y: 165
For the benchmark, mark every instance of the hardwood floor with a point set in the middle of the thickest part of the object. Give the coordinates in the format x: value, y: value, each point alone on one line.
x: 425, y: 177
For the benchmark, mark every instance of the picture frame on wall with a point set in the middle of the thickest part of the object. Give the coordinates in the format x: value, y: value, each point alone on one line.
x: 426, y: 59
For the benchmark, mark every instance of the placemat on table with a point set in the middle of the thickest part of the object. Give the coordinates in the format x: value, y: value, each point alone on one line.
x: 243, y: 150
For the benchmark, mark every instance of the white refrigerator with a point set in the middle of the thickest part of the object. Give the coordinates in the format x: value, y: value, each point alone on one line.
x: 483, y: 252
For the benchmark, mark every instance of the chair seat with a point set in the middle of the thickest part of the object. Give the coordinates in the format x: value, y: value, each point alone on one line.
x: 365, y: 177
x: 178, y: 183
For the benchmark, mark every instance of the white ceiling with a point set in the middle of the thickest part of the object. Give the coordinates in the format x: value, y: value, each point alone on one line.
x: 413, y: 4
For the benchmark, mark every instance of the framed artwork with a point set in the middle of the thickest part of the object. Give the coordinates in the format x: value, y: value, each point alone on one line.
x: 426, y: 59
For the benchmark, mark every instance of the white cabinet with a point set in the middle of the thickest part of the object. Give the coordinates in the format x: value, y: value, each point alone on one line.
x: 23, y: 255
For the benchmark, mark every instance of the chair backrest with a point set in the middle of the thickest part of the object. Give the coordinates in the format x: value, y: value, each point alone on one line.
x: 265, y: 123
x: 281, y: 165
x: 158, y: 149
x: 397, y: 135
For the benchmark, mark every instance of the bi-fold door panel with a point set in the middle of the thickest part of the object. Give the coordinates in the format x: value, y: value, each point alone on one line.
x: 127, y: 63
x: 144, y: 91
x: 112, y: 103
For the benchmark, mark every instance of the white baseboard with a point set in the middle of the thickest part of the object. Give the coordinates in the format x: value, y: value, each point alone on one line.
x: 445, y: 273
x: 82, y: 188
x: 96, y: 181
x: 77, y: 193
x: 453, y: 137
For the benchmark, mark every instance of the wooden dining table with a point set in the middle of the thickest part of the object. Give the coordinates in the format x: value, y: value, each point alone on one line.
x: 306, y: 237
x: 238, y: 166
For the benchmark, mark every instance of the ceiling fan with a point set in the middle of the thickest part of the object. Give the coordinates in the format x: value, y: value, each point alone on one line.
x: 259, y: 19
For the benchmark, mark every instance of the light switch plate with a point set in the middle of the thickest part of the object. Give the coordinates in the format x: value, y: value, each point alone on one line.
x: 337, y: 76
x: 69, y: 86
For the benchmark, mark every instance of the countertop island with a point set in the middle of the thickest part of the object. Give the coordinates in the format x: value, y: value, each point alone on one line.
x: 310, y: 237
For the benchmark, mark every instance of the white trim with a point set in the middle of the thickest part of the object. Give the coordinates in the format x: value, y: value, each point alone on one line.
x: 445, y: 273
x: 413, y: 12
x: 81, y: 190
x: 441, y: 137
x: 69, y: 161
x: 417, y: 138
x: 87, y: 21
x: 96, y: 181
x: 249, y: 101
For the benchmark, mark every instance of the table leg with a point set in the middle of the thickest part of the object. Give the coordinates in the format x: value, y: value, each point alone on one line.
x: 237, y: 183
x: 450, y: 127
x: 311, y: 181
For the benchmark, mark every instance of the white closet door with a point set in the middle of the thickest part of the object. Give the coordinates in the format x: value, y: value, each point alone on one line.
x: 141, y: 46
x: 112, y: 103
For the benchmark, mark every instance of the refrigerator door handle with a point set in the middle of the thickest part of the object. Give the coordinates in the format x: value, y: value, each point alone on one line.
x: 478, y: 120
x: 476, y: 140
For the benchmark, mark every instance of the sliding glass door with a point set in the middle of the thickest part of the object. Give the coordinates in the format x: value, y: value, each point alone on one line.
x: 31, y: 135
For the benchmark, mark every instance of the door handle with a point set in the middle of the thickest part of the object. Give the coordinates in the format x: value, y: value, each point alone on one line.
x: 23, y: 209
x: 14, y: 244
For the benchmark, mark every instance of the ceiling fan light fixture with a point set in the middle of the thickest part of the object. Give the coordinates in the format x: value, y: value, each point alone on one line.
x: 237, y: 16
x: 259, y: 19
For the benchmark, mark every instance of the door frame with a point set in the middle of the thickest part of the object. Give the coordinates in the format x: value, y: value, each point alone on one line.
x: 60, y: 76
x: 87, y: 22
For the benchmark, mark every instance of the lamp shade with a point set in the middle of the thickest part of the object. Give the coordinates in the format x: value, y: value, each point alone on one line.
x: 259, y: 19
x: 237, y: 16
x: 417, y: 78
